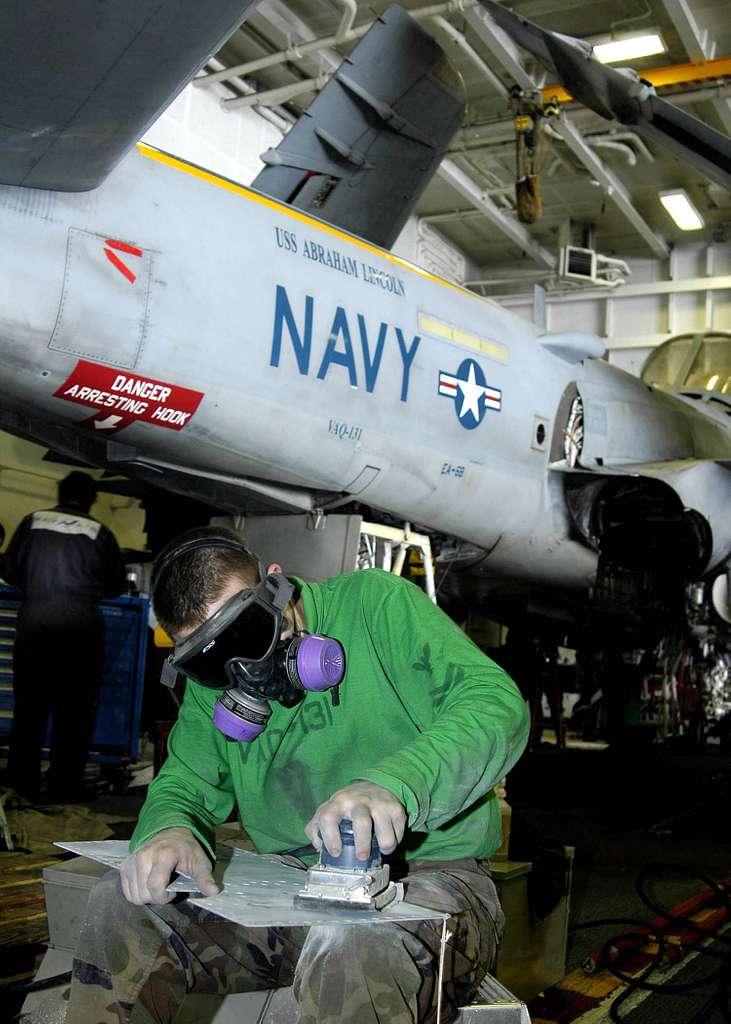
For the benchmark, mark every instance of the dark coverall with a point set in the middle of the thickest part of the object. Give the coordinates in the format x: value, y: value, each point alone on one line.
x: 63, y: 561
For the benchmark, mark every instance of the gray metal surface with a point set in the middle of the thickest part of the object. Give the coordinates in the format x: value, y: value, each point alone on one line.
x: 259, y: 890
x: 66, y: 888
x: 494, y: 1004
x: 511, y: 1012
x: 352, y: 889
x: 81, y: 82
x: 48, y: 1006
x: 308, y: 548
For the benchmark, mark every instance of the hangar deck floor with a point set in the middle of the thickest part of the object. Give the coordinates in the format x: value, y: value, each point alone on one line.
x: 623, y: 809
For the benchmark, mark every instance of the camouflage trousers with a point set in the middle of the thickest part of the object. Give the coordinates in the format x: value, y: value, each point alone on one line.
x: 135, y: 965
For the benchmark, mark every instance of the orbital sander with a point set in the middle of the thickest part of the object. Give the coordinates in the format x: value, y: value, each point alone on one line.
x: 347, y: 882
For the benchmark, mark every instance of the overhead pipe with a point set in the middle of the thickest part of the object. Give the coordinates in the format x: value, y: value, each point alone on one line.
x: 284, y: 93
x: 280, y: 118
x: 301, y: 50
x: 452, y: 215
x: 558, y: 159
x: 297, y: 52
x: 643, y: 16
x: 625, y: 136
x: 350, y: 11
x: 280, y: 123
x: 455, y: 36
x: 604, y: 143
x: 528, y: 277
x: 272, y: 97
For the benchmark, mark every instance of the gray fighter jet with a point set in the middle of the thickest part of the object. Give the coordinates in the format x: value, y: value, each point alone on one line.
x: 252, y: 351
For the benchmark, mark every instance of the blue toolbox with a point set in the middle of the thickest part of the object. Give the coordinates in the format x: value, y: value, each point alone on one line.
x: 117, y: 730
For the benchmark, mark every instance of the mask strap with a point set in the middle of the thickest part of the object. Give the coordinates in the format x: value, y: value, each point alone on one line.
x: 278, y: 591
x: 292, y: 604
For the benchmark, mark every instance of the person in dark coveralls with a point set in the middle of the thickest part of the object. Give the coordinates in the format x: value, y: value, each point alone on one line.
x: 63, y: 561
x: 422, y: 728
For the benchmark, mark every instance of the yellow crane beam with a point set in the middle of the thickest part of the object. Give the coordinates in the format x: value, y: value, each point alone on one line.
x: 675, y: 74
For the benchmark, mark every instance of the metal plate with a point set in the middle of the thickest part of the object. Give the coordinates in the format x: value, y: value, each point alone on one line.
x: 259, y: 890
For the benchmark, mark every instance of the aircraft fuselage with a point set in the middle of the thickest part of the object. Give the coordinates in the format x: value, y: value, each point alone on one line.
x: 211, y: 328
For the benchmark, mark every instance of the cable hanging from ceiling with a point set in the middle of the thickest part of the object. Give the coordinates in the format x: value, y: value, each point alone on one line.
x: 531, y: 118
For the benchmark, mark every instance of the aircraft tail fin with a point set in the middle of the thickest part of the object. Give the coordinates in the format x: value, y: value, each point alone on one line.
x: 83, y: 81
x: 364, y: 151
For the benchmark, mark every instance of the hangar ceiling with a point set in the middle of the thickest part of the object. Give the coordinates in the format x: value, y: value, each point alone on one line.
x: 599, y: 178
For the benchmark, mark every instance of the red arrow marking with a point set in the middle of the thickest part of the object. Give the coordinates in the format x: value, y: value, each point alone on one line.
x: 123, y: 247
x: 132, y: 250
x: 114, y: 259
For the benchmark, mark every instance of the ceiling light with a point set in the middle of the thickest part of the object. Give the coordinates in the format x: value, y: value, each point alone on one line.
x: 629, y: 48
x: 682, y: 210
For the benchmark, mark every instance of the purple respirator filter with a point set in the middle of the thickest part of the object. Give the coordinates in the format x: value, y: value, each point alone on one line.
x: 319, y: 662
x: 313, y: 663
x: 240, y: 718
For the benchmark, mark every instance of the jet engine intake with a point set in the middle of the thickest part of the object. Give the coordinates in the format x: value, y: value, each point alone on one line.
x: 640, y: 523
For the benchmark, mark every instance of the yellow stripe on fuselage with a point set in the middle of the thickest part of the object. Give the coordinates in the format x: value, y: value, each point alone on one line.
x: 288, y: 211
x: 439, y: 329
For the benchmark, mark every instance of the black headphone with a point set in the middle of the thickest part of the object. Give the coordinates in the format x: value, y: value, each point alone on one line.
x: 185, y: 544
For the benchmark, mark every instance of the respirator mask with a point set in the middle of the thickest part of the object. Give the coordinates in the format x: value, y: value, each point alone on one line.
x: 239, y: 650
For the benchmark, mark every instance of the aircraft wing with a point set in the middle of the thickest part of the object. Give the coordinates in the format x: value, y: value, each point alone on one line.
x: 615, y: 93
x: 691, y: 140
x: 80, y: 82
x: 367, y: 146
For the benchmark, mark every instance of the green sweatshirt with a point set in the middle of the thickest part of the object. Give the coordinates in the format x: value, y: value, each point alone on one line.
x: 423, y: 712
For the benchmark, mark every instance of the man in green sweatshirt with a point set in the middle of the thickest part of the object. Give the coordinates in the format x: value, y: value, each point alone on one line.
x: 410, y: 746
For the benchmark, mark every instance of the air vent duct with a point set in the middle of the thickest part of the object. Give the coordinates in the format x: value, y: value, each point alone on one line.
x: 577, y: 264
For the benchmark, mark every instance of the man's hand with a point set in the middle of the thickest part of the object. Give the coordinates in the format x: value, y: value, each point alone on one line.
x: 369, y: 807
x: 147, y: 872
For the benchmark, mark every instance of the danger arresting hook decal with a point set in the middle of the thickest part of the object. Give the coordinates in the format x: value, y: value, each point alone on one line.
x: 122, y: 398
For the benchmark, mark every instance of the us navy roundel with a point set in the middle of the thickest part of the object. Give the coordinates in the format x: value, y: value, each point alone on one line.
x: 470, y: 392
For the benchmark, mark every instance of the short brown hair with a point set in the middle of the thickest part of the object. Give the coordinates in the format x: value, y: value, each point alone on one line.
x: 185, y: 585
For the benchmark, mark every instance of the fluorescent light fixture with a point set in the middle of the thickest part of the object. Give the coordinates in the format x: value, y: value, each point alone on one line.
x: 629, y: 48
x: 682, y: 210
